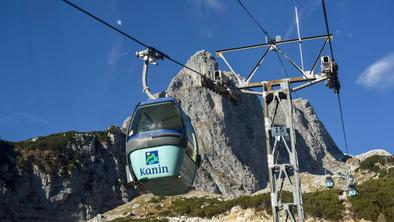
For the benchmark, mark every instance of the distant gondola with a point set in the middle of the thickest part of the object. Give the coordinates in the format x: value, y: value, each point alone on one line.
x: 352, y: 191
x: 161, y: 148
x: 329, y: 182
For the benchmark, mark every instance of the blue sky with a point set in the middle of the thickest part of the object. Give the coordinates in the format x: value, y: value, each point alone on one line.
x: 60, y: 70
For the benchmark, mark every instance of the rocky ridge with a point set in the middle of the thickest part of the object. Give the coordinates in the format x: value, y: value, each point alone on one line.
x: 380, y: 152
x: 64, y: 177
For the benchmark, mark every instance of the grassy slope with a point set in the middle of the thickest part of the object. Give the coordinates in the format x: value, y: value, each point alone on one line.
x: 376, y: 195
x: 376, y: 198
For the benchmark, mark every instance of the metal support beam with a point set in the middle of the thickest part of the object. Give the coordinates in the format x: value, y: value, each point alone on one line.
x: 280, y: 137
x: 280, y: 143
x: 274, y: 43
x: 319, y: 78
x: 275, y: 82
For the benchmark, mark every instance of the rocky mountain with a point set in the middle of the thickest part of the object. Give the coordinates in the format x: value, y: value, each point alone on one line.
x: 64, y: 177
x: 379, y: 152
x: 231, y: 136
x: 74, y: 176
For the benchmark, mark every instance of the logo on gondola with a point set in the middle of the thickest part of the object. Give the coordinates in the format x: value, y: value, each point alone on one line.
x: 152, y: 157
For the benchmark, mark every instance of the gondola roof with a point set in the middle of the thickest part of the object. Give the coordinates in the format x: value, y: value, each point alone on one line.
x: 159, y: 100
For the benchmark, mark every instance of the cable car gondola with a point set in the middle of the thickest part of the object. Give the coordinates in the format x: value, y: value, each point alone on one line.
x: 329, y: 182
x: 352, y: 191
x: 161, y: 148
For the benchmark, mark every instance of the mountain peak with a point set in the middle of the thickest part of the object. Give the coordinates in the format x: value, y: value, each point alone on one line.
x: 373, y: 152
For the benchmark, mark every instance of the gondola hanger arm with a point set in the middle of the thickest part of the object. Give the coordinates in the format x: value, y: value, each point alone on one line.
x: 149, y: 56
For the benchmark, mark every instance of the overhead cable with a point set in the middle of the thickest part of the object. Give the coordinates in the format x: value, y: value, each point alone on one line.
x: 327, y: 29
x: 254, y: 19
x: 333, y: 59
x: 343, y: 123
x: 129, y: 36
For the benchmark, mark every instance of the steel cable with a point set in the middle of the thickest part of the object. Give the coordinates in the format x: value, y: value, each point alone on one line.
x: 254, y: 19
x: 333, y: 59
x: 343, y: 123
x: 129, y: 36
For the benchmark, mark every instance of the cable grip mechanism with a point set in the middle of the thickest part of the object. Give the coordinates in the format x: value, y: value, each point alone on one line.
x: 150, y: 56
x: 330, y: 68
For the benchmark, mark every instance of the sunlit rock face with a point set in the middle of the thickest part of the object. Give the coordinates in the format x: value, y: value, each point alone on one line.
x: 379, y: 152
x: 64, y: 177
x: 317, y: 151
x: 231, y: 136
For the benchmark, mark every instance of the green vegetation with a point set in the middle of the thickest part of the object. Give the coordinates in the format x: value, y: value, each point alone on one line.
x: 128, y: 219
x: 52, y: 142
x: 376, y: 197
x: 102, y: 136
x: 53, y: 152
x: 49, y: 153
x: 209, y: 207
x: 375, y: 201
x: 385, y: 173
x: 324, y: 204
x: 375, y: 163
x: 156, y: 199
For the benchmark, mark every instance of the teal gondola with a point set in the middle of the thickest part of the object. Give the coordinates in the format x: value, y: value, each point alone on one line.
x: 329, y: 182
x: 352, y: 191
x: 161, y: 148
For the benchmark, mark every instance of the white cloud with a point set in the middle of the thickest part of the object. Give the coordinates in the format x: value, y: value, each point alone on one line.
x: 114, y: 55
x: 379, y: 75
x: 115, y: 52
x: 201, y: 8
x: 345, y: 34
x: 290, y: 30
x: 213, y: 4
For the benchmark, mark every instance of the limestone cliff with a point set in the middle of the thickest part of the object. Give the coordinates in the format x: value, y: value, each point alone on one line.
x: 231, y: 136
x: 64, y: 177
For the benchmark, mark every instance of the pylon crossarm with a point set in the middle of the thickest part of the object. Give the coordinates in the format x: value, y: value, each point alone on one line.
x: 255, y: 46
x: 319, y: 78
x: 276, y: 82
x: 251, y: 92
